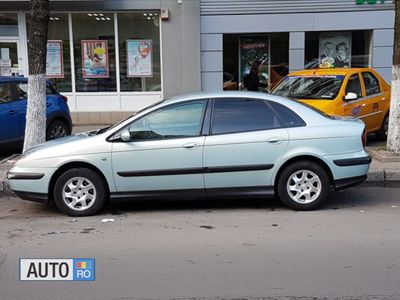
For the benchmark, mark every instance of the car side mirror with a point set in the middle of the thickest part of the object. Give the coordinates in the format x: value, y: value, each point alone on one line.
x: 126, y: 135
x: 350, y: 96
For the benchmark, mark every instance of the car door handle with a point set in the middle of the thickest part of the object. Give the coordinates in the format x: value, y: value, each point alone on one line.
x: 190, y: 145
x: 274, y: 140
x: 363, y: 105
x: 12, y: 112
x: 383, y: 99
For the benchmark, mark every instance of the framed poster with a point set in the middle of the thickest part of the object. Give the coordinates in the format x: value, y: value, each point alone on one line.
x: 335, y: 49
x: 54, y: 60
x: 139, y: 58
x: 95, y: 59
x: 254, y: 54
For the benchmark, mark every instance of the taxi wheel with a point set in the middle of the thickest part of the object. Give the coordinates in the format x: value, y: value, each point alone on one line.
x: 381, y: 134
x: 303, y: 185
x: 80, y: 192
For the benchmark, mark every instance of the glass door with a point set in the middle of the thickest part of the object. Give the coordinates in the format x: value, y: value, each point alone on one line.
x: 9, y: 65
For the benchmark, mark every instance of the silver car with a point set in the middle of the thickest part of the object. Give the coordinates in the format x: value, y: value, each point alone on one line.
x: 229, y: 144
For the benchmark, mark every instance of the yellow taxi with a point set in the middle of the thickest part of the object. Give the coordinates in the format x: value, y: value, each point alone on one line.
x: 355, y: 92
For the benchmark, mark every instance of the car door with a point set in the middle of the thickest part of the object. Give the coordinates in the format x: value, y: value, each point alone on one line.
x: 375, y: 99
x: 358, y: 108
x: 165, y: 151
x: 9, y: 116
x: 21, y: 97
x: 246, y: 140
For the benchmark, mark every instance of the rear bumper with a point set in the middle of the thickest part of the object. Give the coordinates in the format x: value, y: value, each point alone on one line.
x: 345, y: 183
x: 353, y: 161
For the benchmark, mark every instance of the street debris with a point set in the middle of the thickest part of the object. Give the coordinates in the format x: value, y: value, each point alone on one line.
x: 73, y: 220
x: 361, y: 211
x: 87, y: 230
x: 107, y: 220
x: 207, y: 227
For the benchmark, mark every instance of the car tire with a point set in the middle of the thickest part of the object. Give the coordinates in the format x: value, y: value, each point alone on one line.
x: 56, y: 129
x: 299, y: 177
x: 381, y: 134
x: 80, y: 192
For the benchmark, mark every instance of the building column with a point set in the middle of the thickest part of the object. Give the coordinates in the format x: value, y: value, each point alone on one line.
x: 296, y: 51
x: 382, y: 52
x: 211, y: 46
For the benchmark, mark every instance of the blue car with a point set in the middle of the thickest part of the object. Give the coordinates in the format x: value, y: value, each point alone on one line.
x: 13, y: 106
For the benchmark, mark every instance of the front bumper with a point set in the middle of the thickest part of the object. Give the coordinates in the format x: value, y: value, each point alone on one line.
x: 37, y: 197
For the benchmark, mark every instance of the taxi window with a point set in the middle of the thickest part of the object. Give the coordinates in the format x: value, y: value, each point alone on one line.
x: 354, y: 85
x: 371, y: 83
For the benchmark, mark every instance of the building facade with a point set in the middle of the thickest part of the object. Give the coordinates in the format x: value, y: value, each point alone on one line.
x: 286, y: 35
x: 110, y: 58
x: 113, y: 57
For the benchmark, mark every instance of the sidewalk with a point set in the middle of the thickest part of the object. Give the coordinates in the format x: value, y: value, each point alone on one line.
x: 384, y: 170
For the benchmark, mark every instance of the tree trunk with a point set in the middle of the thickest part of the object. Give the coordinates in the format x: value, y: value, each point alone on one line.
x: 35, y: 129
x: 393, y: 141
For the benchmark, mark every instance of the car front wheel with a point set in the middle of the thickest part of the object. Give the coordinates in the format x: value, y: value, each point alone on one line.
x: 80, y: 192
x: 303, y: 185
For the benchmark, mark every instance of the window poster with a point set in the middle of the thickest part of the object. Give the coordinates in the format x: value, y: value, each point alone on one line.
x: 254, y: 54
x: 54, y: 60
x: 335, y: 49
x: 139, y: 58
x: 95, y: 59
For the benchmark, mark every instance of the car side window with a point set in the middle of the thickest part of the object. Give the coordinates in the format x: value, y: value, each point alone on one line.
x: 287, y: 116
x: 241, y: 115
x: 22, y: 90
x: 176, y: 121
x: 371, y: 83
x: 354, y: 85
x: 6, y: 94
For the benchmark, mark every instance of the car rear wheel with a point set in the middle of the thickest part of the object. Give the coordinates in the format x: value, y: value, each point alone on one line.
x: 56, y: 129
x: 80, y: 192
x: 381, y: 134
x: 303, y: 185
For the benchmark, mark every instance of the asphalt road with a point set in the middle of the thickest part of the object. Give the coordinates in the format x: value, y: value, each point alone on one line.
x: 349, y: 249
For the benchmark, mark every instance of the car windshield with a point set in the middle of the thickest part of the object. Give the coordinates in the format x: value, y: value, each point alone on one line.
x: 104, y: 129
x: 325, y: 87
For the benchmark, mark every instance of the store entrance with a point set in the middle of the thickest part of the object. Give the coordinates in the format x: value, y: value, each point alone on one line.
x: 9, y: 58
x: 267, y: 54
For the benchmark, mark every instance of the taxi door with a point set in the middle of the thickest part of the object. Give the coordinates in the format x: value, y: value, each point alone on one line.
x: 359, y: 107
x: 376, y: 99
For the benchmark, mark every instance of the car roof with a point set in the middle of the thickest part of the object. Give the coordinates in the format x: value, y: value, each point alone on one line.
x: 328, y: 71
x: 225, y: 95
x: 12, y: 78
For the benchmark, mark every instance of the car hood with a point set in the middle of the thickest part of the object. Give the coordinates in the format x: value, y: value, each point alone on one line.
x: 78, y: 144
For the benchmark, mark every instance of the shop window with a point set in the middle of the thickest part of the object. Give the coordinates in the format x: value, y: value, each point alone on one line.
x: 269, y: 53
x: 58, y: 62
x: 8, y: 24
x: 339, y: 49
x: 139, y: 51
x: 94, y: 52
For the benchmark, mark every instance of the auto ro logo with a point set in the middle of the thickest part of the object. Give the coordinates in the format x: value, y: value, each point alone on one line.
x: 55, y: 269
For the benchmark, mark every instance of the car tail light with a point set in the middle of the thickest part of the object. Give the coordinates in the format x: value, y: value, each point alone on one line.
x: 364, y: 138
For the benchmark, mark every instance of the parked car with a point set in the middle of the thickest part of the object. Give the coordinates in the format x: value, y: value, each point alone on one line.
x: 356, y: 92
x: 13, y: 105
x: 228, y: 144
